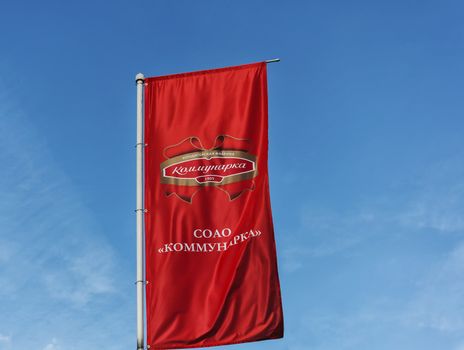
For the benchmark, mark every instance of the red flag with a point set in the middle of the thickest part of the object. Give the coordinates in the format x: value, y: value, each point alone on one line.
x: 210, y: 252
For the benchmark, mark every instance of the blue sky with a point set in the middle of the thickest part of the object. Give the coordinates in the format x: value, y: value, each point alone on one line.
x: 366, y: 163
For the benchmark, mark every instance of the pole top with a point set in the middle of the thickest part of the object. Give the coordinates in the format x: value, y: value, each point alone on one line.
x: 139, y: 78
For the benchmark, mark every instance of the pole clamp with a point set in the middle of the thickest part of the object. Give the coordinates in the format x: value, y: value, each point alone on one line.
x: 141, y: 144
x: 141, y: 281
x: 141, y: 209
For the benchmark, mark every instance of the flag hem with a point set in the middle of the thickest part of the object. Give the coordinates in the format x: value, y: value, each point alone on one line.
x: 280, y: 336
x: 203, y: 72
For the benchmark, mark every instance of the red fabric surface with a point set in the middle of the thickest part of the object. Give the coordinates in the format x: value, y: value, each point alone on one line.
x: 215, y: 287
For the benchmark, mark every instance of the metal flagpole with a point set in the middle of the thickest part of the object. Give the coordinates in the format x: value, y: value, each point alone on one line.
x: 139, y: 79
x: 140, y: 210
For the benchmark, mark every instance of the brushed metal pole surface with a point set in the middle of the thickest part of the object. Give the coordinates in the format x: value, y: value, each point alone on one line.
x: 140, y: 212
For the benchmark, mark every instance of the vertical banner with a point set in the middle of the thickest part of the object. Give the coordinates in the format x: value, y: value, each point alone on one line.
x: 211, y: 264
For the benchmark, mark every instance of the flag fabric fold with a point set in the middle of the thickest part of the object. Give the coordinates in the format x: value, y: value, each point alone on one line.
x: 211, y: 265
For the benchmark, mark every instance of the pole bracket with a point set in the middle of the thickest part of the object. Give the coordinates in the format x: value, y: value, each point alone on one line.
x: 141, y: 281
x: 141, y: 209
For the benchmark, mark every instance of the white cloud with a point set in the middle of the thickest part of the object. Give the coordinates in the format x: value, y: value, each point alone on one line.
x: 5, y: 339
x: 53, y: 345
x: 6, y: 250
x: 360, y: 329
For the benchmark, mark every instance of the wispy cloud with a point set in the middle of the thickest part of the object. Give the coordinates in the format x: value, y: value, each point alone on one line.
x: 439, y: 303
x: 398, y: 259
x: 46, y: 232
x: 437, y: 199
x: 432, y: 201
x: 323, y: 234
x: 54, y: 260
x: 438, y: 206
